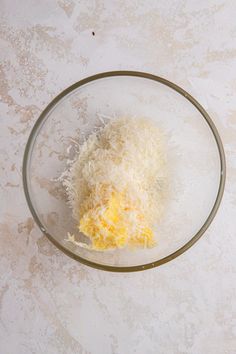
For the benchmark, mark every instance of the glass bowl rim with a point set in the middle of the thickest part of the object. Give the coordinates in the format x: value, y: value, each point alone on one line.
x: 205, y: 115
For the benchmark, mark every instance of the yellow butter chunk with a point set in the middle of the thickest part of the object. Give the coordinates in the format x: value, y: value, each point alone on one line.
x: 116, y: 224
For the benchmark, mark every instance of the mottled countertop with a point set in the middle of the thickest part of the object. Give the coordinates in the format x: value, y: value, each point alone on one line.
x: 48, y: 302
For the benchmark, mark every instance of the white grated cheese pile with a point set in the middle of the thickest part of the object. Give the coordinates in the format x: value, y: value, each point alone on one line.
x: 117, y: 182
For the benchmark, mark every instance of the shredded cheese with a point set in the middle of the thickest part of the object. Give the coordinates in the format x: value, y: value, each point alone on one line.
x: 117, y: 183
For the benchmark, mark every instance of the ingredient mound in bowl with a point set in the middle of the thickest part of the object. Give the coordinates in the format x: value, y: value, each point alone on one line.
x: 115, y: 185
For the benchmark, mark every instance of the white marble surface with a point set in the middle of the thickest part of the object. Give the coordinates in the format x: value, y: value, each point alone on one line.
x: 48, y: 302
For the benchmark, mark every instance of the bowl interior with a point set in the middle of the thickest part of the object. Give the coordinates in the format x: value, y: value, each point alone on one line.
x: 192, y: 155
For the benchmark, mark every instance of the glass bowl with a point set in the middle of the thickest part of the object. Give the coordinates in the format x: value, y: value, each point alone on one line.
x: 195, y: 159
